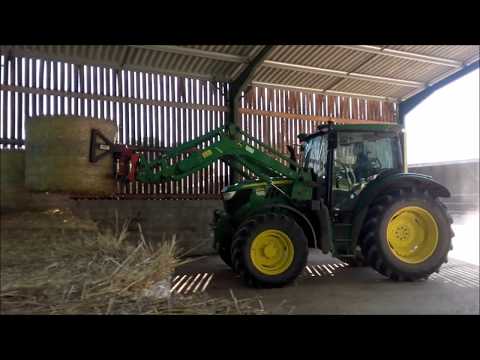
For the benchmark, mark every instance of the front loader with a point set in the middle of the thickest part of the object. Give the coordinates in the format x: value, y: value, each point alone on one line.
x: 348, y: 195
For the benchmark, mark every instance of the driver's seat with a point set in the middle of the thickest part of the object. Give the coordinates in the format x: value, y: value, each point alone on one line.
x: 361, y: 166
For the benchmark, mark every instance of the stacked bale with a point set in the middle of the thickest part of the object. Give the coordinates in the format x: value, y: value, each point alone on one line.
x: 57, y: 156
x: 13, y: 194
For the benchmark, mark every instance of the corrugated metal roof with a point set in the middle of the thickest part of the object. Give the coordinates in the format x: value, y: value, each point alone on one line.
x: 401, y: 69
x: 319, y: 56
x: 455, y: 52
x: 360, y: 70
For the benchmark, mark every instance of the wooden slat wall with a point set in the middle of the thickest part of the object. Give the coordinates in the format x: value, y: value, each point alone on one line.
x: 159, y: 111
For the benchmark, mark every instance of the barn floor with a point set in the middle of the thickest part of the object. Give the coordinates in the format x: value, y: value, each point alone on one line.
x: 327, y: 286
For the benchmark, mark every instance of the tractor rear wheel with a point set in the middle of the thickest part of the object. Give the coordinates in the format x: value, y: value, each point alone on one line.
x: 407, y: 235
x: 269, y: 250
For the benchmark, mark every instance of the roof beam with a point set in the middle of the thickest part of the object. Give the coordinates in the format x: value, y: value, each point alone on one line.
x: 324, y: 92
x: 182, y: 50
x: 404, y: 55
x: 343, y: 74
x: 241, y: 82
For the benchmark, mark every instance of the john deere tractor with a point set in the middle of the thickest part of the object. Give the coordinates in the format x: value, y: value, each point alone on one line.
x: 349, y: 195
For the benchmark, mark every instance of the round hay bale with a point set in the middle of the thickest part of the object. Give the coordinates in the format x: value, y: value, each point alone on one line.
x: 57, y: 156
x: 13, y: 194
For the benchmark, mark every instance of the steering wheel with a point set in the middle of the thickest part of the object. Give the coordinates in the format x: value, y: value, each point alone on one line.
x: 348, y: 173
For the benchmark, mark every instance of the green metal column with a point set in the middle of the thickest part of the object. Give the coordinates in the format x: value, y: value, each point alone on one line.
x: 237, y: 86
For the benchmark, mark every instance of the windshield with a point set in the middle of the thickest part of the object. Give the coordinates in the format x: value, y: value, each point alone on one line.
x: 366, y: 153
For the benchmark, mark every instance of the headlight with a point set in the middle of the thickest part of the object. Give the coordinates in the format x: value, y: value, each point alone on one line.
x: 228, y: 195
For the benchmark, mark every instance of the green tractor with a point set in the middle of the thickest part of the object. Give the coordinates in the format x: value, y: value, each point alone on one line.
x: 348, y: 195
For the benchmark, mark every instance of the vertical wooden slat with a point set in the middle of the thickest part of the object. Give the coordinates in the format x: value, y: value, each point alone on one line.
x: 82, y: 89
x: 204, y: 131
x: 62, y: 87
x: 283, y: 127
x: 213, y: 89
x: 147, y: 94
x: 355, y: 108
x: 5, y: 99
x: 190, y: 128
x: 276, y: 122
x: 161, y: 121
x: 19, y: 102
x: 144, y: 119
x: 136, y: 132
x: 78, y: 79
x: 93, y: 87
x: 71, y: 99
x: 87, y: 81
x: 126, y: 114
x: 361, y: 106
x: 12, y: 99
x: 138, y: 122
x: 220, y: 95
x: 184, y: 129
x: 27, y: 96
x: 154, y: 134
x: 34, y: 85
x: 46, y: 86
x: 108, y: 92
x: 102, y: 92
x: 168, y: 122
x: 371, y: 110
x: 200, y: 114
x: 132, y: 120
x: 226, y: 169
x: 210, y: 127
x: 3, y: 95
x: 178, y: 127
x: 66, y: 99
x: 55, y: 86
x: 118, y: 88
x: 125, y: 76
x: 113, y: 92
x: 196, y: 177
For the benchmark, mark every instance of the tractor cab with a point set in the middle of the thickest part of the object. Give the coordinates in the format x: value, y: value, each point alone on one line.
x: 345, y: 158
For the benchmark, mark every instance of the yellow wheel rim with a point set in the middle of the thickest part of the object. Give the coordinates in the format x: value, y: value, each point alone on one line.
x: 272, y: 252
x: 412, y: 234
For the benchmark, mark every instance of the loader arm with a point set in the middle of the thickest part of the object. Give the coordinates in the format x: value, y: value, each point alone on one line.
x: 219, y: 144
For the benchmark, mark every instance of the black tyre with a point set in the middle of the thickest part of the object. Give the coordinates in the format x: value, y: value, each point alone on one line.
x: 225, y: 252
x: 407, y: 235
x: 269, y: 250
x: 356, y: 261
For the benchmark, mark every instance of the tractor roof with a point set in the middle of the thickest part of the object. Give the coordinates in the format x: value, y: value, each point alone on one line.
x: 367, y: 127
x: 357, y: 126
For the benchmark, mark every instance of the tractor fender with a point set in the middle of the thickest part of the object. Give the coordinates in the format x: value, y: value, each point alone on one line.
x: 390, y: 182
x: 306, y: 223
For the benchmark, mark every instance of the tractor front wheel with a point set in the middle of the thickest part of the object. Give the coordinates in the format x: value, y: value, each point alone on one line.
x: 269, y: 250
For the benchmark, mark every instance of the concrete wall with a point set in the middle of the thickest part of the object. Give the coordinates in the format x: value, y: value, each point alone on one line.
x: 461, y: 178
x: 189, y: 220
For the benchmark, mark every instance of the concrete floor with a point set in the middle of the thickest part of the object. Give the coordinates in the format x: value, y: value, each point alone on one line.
x: 327, y: 286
